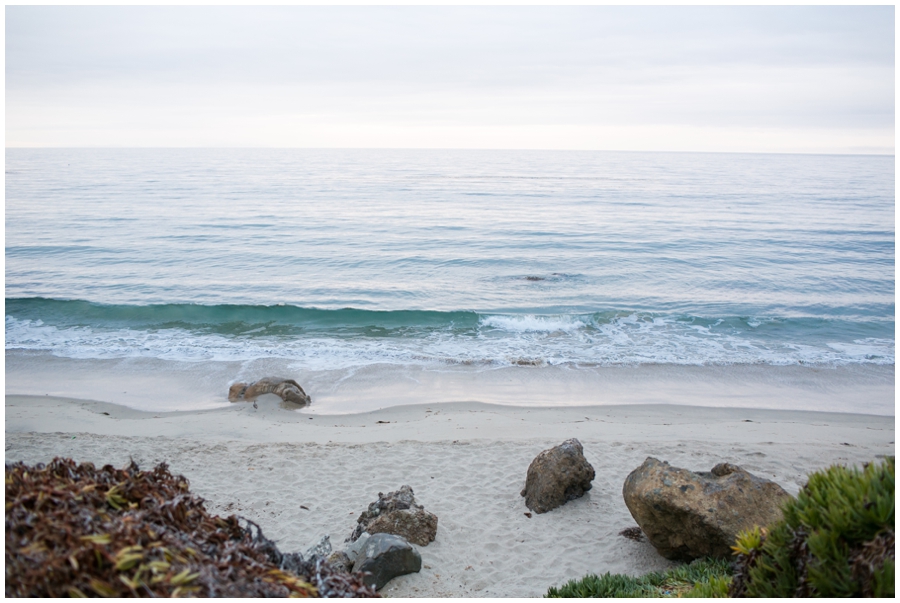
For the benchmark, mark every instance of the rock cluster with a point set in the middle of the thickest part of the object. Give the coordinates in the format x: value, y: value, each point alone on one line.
x: 557, y: 476
x: 398, y: 513
x: 687, y: 514
x: 684, y: 514
x: 379, y: 548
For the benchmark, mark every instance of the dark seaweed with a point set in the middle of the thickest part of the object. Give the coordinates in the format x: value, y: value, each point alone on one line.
x: 74, y: 530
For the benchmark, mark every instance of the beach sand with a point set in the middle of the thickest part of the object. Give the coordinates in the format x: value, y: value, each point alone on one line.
x: 301, y: 475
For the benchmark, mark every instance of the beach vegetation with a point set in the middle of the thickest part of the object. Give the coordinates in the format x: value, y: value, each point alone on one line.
x: 678, y: 581
x: 836, y: 539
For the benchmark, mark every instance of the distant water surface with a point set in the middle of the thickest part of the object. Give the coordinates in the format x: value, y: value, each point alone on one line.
x: 329, y: 260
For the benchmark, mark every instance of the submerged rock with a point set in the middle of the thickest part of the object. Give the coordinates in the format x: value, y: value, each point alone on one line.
x: 384, y: 557
x: 687, y: 514
x: 557, y: 476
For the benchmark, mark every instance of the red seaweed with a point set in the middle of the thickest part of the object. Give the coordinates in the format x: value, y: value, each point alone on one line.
x: 74, y: 530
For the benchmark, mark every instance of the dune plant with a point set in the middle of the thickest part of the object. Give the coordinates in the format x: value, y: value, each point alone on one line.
x: 674, y: 582
x: 836, y: 540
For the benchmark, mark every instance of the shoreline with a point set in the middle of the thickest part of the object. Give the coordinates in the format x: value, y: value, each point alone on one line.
x: 160, y: 385
x: 420, y: 422
x: 300, y: 476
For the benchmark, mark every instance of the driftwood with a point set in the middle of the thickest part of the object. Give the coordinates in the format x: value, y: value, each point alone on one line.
x: 286, y: 389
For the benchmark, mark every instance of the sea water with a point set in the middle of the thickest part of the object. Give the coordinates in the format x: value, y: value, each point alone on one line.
x: 225, y: 264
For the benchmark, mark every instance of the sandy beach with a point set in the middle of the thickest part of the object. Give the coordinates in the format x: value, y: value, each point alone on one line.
x: 301, y: 475
x: 468, y: 235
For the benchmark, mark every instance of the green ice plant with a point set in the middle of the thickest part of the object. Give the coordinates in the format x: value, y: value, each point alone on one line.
x: 836, y: 539
x: 674, y: 582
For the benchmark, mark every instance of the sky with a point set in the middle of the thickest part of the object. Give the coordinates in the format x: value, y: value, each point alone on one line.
x: 733, y: 79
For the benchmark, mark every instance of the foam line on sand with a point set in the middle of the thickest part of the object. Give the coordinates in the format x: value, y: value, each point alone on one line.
x: 301, y: 477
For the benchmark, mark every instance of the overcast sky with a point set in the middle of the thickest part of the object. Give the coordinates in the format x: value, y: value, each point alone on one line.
x: 782, y: 79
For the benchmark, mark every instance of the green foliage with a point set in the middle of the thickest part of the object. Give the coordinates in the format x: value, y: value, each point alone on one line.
x: 836, y: 540
x: 717, y: 587
x: 677, y: 581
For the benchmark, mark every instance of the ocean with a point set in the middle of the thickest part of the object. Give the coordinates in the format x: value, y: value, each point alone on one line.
x: 354, y: 270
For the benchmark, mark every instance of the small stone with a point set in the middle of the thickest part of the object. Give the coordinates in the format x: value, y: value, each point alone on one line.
x: 340, y: 561
x: 320, y: 549
x: 633, y: 534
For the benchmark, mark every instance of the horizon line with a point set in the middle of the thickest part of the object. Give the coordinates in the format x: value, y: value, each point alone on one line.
x: 273, y: 148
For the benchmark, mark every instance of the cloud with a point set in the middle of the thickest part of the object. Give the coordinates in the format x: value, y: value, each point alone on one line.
x: 454, y: 76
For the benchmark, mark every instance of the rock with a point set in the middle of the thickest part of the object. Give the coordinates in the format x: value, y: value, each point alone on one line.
x: 385, y: 557
x: 287, y: 389
x: 356, y: 547
x: 415, y: 525
x: 687, y: 515
x: 398, y: 513
x: 340, y: 561
x: 344, y: 560
x: 557, y: 476
x: 320, y: 549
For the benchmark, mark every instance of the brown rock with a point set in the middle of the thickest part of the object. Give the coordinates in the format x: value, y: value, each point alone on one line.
x: 687, y: 514
x: 416, y: 525
x: 398, y: 513
x: 557, y: 476
x: 286, y: 389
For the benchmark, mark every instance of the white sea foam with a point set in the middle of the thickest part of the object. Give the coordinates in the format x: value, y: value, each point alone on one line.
x: 530, y: 323
x: 522, y: 340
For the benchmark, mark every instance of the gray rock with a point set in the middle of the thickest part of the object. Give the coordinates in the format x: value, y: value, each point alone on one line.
x: 320, y: 549
x: 557, y: 476
x: 356, y: 547
x: 385, y: 557
x: 398, y: 513
x: 687, y: 514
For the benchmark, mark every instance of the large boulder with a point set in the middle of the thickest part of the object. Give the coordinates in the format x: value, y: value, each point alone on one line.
x: 557, y: 476
x: 687, y: 514
x: 398, y: 513
x: 384, y: 557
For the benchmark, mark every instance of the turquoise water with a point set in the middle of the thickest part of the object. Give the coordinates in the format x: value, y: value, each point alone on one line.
x: 336, y: 259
